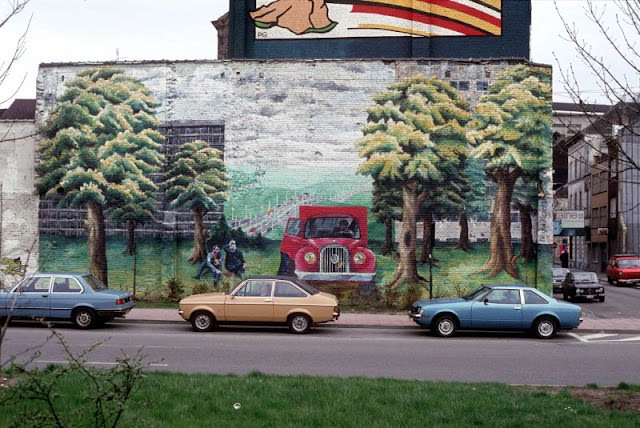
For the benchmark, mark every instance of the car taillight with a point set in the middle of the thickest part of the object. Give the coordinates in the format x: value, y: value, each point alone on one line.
x: 120, y: 301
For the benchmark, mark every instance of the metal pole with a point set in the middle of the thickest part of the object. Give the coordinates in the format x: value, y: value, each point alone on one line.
x: 430, y: 276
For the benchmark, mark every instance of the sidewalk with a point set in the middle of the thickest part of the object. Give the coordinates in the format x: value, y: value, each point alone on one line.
x: 371, y: 320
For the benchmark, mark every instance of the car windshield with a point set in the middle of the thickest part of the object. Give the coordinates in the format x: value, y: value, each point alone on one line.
x: 332, y: 227
x: 476, y: 293
x: 624, y: 263
x: 94, y: 283
x: 583, y: 277
x: 560, y: 273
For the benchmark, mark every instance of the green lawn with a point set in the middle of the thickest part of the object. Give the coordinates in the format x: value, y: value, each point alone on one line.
x: 178, y: 400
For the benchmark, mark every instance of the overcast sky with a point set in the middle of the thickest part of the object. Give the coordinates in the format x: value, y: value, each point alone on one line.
x: 101, y: 30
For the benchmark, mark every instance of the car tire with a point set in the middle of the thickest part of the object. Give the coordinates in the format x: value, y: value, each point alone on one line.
x: 445, y: 326
x: 601, y: 299
x: 84, y: 318
x: 299, y: 324
x: 610, y: 280
x: 545, y: 328
x: 203, y: 321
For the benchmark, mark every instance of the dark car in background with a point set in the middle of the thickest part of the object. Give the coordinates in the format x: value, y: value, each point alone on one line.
x: 559, y: 274
x: 582, y: 285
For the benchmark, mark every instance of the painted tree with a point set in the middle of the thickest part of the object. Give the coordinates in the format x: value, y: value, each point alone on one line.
x: 511, y: 131
x: 525, y: 200
x: 413, y: 137
x: 82, y: 162
x: 386, y: 207
x: 476, y: 199
x: 196, y: 180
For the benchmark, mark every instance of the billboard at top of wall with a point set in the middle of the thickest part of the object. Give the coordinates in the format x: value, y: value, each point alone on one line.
x: 379, y: 29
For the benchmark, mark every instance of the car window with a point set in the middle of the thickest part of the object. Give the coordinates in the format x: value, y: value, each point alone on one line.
x: 66, y: 285
x: 475, y: 294
x: 504, y: 297
x: 38, y: 284
x: 531, y: 298
x: 629, y: 263
x: 94, y: 283
x: 293, y: 227
x: 286, y: 289
x: 582, y: 277
x: 255, y: 288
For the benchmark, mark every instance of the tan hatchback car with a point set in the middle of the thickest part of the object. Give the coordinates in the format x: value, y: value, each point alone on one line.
x: 262, y: 300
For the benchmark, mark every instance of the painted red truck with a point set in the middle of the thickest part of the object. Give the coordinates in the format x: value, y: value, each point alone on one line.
x: 328, y: 244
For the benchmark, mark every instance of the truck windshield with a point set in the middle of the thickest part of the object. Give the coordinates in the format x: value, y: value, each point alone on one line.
x: 332, y: 227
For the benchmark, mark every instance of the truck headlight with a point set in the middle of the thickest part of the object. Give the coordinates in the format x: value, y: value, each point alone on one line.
x: 310, y: 257
x: 359, y: 258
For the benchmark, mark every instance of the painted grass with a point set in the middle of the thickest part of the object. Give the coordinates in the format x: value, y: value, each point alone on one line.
x: 176, y: 400
x: 455, y: 273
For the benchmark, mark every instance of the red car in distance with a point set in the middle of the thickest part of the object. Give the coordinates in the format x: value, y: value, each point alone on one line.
x: 328, y: 244
x: 623, y: 269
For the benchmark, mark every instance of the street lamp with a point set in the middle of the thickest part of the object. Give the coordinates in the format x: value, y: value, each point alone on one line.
x: 430, y: 276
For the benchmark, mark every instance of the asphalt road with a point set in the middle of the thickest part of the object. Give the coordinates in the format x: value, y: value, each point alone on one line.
x: 408, y: 353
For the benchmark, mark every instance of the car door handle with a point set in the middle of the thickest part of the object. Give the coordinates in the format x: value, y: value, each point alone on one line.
x: 268, y: 300
x: 517, y: 308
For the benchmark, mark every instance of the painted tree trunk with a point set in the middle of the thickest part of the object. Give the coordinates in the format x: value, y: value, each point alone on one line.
x: 527, y: 252
x: 427, y: 237
x: 407, y: 268
x: 199, y: 234
x: 94, y: 224
x: 388, y: 236
x: 131, y: 243
x: 501, y: 252
x: 463, y: 239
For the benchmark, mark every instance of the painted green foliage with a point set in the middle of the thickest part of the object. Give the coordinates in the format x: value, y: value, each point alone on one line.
x: 101, y: 145
x: 196, y: 180
x: 415, y: 141
x: 511, y: 131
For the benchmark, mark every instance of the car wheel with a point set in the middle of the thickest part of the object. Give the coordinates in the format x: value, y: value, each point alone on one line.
x: 445, y: 326
x: 601, y: 298
x: 203, y: 321
x: 299, y: 324
x: 565, y: 296
x: 84, y: 318
x: 545, y: 327
x: 610, y: 280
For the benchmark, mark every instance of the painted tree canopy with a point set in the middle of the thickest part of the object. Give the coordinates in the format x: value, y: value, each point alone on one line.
x: 196, y: 180
x: 415, y: 141
x: 511, y: 131
x: 101, y: 144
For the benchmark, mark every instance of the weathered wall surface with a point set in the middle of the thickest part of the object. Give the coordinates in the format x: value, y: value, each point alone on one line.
x: 18, y: 200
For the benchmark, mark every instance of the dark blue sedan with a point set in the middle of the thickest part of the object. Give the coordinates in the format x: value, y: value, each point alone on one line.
x: 80, y: 298
x: 497, y: 307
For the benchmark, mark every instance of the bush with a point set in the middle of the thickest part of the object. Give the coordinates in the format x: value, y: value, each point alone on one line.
x: 176, y: 289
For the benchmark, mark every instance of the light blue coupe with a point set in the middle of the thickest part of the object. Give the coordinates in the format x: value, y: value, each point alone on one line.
x: 80, y: 298
x: 497, y: 307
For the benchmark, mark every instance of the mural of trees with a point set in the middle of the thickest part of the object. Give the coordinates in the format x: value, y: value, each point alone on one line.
x: 476, y: 199
x: 511, y: 131
x: 101, y: 144
x: 415, y: 141
x: 196, y: 180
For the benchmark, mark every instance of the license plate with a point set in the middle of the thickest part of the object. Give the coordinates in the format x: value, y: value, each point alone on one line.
x: 589, y: 296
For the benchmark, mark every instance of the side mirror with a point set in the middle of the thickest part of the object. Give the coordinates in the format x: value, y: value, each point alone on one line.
x: 486, y: 301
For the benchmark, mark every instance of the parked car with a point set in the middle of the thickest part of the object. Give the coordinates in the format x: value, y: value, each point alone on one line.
x: 80, y: 298
x: 497, y: 307
x: 559, y: 274
x: 582, y: 285
x: 623, y: 269
x: 262, y: 300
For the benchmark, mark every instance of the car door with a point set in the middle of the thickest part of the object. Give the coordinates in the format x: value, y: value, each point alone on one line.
x: 31, y: 298
x: 501, y: 308
x: 65, y: 294
x: 251, y: 302
x: 534, y: 305
x: 286, y: 298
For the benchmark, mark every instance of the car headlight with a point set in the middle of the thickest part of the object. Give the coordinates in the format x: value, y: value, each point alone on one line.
x: 310, y: 257
x: 359, y: 258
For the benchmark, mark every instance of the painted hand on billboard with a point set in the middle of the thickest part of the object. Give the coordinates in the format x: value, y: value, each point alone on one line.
x: 297, y: 16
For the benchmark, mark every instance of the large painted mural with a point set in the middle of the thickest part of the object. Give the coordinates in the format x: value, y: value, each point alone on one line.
x: 405, y: 185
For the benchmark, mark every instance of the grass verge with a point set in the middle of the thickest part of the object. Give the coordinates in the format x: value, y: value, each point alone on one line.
x: 177, y: 400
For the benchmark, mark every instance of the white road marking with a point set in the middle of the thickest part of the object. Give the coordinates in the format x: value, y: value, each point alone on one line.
x: 95, y: 363
x: 598, y: 336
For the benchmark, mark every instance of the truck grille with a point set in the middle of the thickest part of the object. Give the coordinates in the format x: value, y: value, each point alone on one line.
x: 334, y: 259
